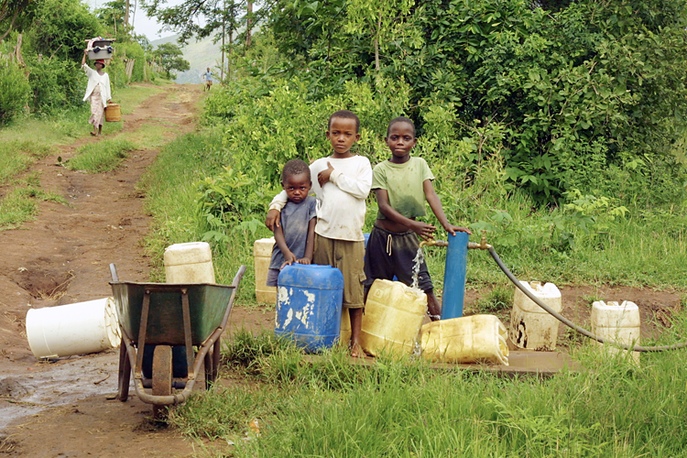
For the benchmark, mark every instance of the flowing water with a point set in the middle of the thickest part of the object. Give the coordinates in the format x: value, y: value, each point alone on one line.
x: 417, y: 262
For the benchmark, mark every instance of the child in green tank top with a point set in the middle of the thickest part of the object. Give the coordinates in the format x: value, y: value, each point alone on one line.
x: 402, y: 185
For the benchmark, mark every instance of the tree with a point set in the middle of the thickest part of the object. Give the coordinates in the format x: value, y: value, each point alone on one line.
x: 113, y: 15
x: 61, y: 27
x: 16, y: 15
x: 197, y: 18
x: 169, y: 56
x: 383, y: 21
x: 583, y: 94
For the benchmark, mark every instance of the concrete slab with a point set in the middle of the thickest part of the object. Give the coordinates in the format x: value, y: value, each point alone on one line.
x: 539, y: 363
x: 525, y: 362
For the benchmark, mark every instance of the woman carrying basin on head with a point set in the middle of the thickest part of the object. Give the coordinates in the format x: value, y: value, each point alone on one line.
x: 98, y: 92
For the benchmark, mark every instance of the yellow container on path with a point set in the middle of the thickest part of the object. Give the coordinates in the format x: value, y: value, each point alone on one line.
x: 616, y: 322
x: 468, y: 339
x: 262, y: 253
x: 189, y: 263
x: 393, y: 316
x: 532, y: 327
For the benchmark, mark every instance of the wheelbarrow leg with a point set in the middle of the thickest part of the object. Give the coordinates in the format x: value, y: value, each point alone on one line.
x: 124, y: 373
x: 215, y: 359
x: 162, y: 378
x: 207, y: 363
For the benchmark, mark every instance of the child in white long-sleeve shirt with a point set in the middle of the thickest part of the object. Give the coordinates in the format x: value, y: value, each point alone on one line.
x: 343, y: 183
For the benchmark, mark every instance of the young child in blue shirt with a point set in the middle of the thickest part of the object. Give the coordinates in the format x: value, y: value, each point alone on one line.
x: 402, y: 185
x: 295, y: 234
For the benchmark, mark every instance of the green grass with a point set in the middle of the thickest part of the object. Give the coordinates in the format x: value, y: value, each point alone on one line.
x: 130, y: 97
x: 16, y: 156
x: 20, y: 203
x: 29, y: 139
x: 328, y: 407
x: 101, y: 156
x: 16, y: 208
x: 497, y: 301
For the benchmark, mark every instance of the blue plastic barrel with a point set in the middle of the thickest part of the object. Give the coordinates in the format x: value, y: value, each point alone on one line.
x: 454, y: 276
x: 309, y: 299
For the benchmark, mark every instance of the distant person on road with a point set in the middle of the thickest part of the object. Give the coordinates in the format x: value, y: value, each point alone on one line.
x: 401, y: 185
x: 98, y: 92
x: 295, y: 235
x: 207, y: 76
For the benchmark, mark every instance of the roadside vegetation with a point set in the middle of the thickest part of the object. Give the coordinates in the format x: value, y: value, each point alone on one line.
x: 544, y: 138
x: 29, y: 139
x: 279, y: 402
x: 556, y: 130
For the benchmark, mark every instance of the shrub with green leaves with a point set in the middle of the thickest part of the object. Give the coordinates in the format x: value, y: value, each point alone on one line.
x: 55, y: 84
x: 262, y: 133
x: 127, y: 51
x: 14, y: 91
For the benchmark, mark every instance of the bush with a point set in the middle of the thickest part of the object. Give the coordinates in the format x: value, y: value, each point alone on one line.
x: 14, y: 91
x: 55, y: 84
x: 123, y: 52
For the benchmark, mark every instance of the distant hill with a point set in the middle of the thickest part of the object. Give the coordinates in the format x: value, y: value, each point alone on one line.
x: 200, y: 55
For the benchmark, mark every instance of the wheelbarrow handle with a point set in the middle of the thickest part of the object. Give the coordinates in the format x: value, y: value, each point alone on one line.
x: 238, y: 276
x: 113, y: 272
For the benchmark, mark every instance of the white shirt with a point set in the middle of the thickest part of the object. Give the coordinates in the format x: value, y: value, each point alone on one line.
x: 95, y: 78
x: 341, y: 202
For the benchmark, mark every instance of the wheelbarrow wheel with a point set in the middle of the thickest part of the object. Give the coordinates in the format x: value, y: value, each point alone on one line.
x: 124, y: 373
x: 162, y: 378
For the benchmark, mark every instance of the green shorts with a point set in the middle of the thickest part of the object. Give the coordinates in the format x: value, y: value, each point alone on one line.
x: 347, y: 256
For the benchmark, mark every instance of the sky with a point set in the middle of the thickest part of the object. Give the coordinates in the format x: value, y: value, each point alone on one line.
x: 143, y: 25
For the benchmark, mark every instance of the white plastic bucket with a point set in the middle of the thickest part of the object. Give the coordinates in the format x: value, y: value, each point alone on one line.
x: 532, y: 327
x: 616, y: 322
x: 73, y: 329
x: 189, y: 263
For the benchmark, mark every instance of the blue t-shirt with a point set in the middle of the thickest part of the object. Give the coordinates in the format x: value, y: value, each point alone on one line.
x: 295, y: 219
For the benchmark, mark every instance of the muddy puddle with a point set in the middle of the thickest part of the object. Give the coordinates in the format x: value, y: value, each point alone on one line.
x: 30, y: 390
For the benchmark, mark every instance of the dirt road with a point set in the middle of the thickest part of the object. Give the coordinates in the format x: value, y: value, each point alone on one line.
x: 61, y: 408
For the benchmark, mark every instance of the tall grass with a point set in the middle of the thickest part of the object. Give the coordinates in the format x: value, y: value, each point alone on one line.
x: 172, y: 188
x: 328, y: 407
x: 100, y: 157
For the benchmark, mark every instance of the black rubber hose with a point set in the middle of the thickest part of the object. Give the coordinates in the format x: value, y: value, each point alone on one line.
x: 569, y: 323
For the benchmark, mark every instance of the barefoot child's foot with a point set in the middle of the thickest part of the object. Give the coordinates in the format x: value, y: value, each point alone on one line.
x: 357, y: 351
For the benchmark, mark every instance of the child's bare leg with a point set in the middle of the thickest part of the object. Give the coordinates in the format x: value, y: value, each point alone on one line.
x: 356, y: 316
x: 433, y: 306
x: 100, y: 129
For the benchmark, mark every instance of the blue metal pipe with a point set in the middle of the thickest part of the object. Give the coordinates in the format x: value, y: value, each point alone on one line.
x: 454, y: 276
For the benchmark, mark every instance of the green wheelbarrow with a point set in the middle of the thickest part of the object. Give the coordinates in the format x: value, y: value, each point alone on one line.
x: 163, y: 317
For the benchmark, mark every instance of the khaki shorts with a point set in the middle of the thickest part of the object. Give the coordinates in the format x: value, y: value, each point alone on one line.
x: 348, y: 257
